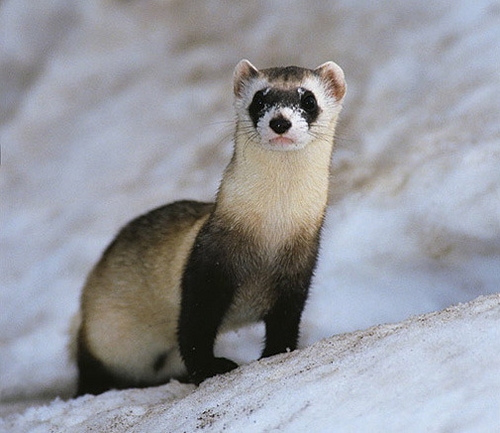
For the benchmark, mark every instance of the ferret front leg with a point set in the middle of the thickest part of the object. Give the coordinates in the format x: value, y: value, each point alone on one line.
x: 206, y: 296
x: 283, y: 319
x: 282, y: 324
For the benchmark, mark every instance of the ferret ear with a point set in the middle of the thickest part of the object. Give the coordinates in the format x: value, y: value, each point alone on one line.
x: 242, y: 73
x: 333, y: 76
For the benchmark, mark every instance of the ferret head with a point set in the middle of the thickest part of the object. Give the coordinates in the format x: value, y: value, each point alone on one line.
x: 285, y: 109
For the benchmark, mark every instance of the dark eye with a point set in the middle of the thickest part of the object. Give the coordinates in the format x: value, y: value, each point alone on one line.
x: 257, y: 107
x: 308, y: 102
x: 258, y: 101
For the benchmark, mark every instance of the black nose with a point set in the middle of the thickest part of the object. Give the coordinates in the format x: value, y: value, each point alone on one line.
x: 280, y: 125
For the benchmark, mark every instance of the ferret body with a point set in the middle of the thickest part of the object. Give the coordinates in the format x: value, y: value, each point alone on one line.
x: 174, y: 278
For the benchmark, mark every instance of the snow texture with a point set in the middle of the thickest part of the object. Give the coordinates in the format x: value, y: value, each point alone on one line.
x: 412, y: 376
x: 109, y: 108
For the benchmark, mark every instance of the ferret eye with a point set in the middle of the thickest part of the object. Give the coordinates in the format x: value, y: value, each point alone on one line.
x: 258, y: 102
x: 308, y: 102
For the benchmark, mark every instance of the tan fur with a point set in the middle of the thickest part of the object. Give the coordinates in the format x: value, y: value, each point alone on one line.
x: 257, y: 203
x: 134, y: 296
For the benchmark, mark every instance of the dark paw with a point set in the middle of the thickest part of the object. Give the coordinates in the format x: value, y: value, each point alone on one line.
x: 274, y: 351
x: 215, y: 367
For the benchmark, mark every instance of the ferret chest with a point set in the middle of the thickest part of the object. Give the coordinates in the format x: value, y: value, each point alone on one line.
x: 275, y: 212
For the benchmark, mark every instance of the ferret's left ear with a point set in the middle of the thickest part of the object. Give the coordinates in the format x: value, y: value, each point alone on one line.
x: 243, y: 71
x: 333, y: 76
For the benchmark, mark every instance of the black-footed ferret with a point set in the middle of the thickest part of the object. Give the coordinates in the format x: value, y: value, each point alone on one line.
x: 175, y: 277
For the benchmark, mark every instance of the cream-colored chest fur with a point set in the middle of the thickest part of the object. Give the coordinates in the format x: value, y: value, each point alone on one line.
x: 273, y: 196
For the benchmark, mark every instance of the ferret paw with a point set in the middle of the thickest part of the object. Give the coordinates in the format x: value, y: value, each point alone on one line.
x: 213, y: 368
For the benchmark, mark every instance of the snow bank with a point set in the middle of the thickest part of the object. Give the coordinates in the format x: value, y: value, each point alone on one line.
x: 111, y: 108
x: 434, y: 372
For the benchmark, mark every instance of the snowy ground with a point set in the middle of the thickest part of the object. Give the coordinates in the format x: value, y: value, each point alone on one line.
x: 109, y: 108
x: 414, y: 376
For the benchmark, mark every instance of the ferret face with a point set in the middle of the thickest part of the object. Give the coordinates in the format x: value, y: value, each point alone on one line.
x: 284, y: 109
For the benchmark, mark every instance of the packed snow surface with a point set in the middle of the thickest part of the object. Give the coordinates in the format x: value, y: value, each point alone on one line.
x: 413, y: 376
x: 109, y: 108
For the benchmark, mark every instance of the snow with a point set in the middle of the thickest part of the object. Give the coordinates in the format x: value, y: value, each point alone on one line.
x: 431, y: 381
x: 111, y: 108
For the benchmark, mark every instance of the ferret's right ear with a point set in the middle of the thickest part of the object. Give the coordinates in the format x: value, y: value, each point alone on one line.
x: 243, y: 72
